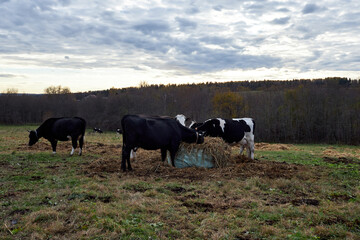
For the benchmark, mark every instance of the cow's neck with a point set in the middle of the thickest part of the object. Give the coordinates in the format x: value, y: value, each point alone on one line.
x: 189, y: 136
x: 39, y: 132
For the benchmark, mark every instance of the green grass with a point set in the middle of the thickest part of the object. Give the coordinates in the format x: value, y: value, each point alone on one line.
x: 45, y: 196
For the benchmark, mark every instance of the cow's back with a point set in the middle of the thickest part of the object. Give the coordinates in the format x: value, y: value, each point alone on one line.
x: 149, y: 132
x: 61, y: 128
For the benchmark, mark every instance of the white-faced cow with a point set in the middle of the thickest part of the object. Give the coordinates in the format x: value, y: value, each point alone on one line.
x: 236, y: 130
x: 60, y: 129
x: 151, y: 133
x: 195, y: 125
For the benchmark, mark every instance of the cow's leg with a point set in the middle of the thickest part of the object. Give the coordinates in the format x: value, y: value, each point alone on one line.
x: 173, y: 150
x: 172, y: 156
x: 251, y: 150
x: 251, y: 146
x: 243, y: 144
x: 125, y: 158
x: 163, y: 154
x: 53, y: 145
x: 241, y: 148
x: 129, y: 165
x: 81, y: 143
x: 74, y: 145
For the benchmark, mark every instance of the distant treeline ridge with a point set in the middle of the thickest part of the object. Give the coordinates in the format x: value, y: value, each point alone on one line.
x: 296, y: 111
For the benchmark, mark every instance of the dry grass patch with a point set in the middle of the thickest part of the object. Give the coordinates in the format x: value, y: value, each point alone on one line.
x: 274, y: 147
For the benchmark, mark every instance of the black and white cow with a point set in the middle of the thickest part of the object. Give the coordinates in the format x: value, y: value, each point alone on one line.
x: 236, y: 130
x: 118, y: 131
x: 195, y: 125
x: 60, y: 129
x: 98, y: 130
x: 151, y: 133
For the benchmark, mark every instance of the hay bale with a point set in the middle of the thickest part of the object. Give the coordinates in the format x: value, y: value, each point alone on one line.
x: 214, y: 152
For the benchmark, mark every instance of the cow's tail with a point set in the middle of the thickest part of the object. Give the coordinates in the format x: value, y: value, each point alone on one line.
x: 123, y: 129
x: 83, y: 125
x: 253, y: 126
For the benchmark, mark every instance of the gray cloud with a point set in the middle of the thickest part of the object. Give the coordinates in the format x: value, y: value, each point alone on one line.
x: 310, y: 8
x: 185, y: 23
x: 281, y: 21
x: 152, y: 28
x: 183, y: 35
x: 6, y: 75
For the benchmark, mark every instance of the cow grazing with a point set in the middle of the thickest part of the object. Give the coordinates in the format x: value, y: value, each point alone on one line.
x: 98, y: 130
x: 180, y: 118
x: 118, y: 131
x: 151, y: 133
x: 60, y: 129
x: 195, y: 125
x: 236, y: 130
x: 185, y: 121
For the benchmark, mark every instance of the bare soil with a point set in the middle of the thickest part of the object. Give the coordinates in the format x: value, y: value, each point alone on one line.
x: 148, y: 164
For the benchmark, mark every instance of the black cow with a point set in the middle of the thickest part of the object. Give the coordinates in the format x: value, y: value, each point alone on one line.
x: 236, y: 130
x: 151, y: 133
x: 60, y: 129
x: 180, y: 118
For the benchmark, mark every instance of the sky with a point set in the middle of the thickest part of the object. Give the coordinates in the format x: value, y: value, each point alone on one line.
x: 95, y: 45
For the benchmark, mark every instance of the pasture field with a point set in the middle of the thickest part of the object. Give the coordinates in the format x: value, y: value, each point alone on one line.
x: 287, y: 192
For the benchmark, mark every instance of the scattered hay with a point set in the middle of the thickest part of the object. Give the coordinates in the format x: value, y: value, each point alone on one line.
x: 213, y: 149
x: 331, y: 152
x: 101, y: 165
x: 273, y: 147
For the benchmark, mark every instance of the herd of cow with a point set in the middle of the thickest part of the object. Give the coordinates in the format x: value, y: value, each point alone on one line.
x: 151, y: 133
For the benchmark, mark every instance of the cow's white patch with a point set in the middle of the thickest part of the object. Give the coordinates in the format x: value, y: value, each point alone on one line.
x: 80, y: 151
x: 54, y: 152
x: 181, y: 119
x: 69, y: 137
x: 222, y: 124
x: 192, y: 123
x: 132, y: 154
x: 72, y: 151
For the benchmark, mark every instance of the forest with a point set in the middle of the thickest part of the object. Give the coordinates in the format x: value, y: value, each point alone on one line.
x: 295, y: 111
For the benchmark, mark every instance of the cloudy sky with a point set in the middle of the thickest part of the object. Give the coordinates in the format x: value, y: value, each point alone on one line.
x: 94, y: 45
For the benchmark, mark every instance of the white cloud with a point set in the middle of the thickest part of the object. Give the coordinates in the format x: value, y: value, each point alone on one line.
x: 142, y: 40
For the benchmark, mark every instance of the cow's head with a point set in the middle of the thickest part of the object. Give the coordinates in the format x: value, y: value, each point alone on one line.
x: 200, y: 137
x: 211, y: 127
x: 33, y: 137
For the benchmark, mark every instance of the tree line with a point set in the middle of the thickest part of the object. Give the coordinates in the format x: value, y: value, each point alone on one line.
x: 296, y: 111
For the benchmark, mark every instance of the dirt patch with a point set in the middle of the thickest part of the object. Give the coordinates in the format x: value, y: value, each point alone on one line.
x: 148, y: 164
x: 101, y: 165
x: 305, y: 201
x: 65, y: 147
x: 337, y: 160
